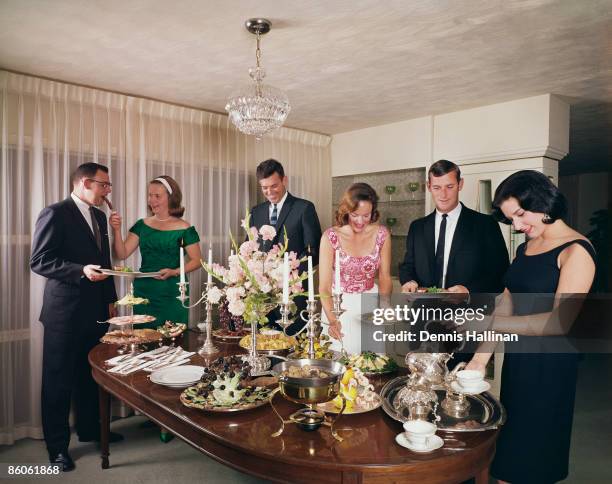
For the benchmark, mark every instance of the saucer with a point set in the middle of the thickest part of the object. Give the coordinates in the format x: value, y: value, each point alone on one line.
x: 435, y: 443
x: 482, y: 387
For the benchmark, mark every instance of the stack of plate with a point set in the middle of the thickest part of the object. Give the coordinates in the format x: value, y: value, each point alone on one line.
x: 178, y: 376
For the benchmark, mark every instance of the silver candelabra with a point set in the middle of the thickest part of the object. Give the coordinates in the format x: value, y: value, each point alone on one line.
x: 208, y: 348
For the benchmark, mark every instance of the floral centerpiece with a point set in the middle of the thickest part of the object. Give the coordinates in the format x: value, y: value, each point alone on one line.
x: 253, y: 280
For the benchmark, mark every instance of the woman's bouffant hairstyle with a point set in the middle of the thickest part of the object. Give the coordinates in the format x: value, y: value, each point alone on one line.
x: 357, y: 192
x: 534, y: 192
x: 174, y: 199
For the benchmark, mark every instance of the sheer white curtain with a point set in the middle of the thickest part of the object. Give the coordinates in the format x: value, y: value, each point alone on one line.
x: 48, y: 128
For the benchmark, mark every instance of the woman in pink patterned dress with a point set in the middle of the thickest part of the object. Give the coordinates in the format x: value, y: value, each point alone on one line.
x: 365, y: 254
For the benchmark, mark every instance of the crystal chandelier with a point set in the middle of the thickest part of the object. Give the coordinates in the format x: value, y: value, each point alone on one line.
x: 258, y: 108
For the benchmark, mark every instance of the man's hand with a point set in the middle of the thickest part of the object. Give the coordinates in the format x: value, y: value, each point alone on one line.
x: 410, y: 286
x: 112, y: 310
x: 458, y: 289
x: 91, y: 273
x: 166, y: 273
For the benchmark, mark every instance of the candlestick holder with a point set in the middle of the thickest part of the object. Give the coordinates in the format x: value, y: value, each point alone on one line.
x: 259, y: 364
x: 284, y: 322
x: 313, y: 323
x: 338, y: 312
x: 208, y: 348
x: 182, y: 292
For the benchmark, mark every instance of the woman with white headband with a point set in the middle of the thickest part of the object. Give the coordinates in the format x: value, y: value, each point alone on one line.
x: 159, y: 237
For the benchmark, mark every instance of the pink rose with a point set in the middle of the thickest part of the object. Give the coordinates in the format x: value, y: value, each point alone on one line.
x: 248, y: 247
x: 267, y: 232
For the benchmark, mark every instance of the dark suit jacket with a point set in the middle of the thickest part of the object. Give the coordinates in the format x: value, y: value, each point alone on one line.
x: 62, y: 244
x: 478, y: 257
x: 300, y: 219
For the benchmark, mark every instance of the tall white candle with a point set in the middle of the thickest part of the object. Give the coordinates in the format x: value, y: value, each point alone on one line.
x: 286, y: 279
x: 337, y: 287
x: 232, y: 253
x: 310, y: 282
x: 182, y: 260
x: 209, y: 279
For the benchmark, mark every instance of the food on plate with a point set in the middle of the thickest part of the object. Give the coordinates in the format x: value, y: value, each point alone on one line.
x: 172, y: 330
x: 131, y: 300
x: 133, y: 319
x: 269, y: 342
x: 431, y: 290
x: 225, y: 385
x: 369, y: 362
x: 123, y: 269
x: 306, y: 371
x: 322, y: 347
x: 357, y: 391
x: 126, y: 337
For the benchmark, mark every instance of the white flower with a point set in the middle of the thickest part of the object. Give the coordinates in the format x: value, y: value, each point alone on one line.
x: 236, y: 307
x: 234, y: 293
x: 214, y: 295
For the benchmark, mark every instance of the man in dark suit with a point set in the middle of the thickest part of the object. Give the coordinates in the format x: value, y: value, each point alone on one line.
x: 70, y: 243
x: 285, y: 212
x: 455, y: 248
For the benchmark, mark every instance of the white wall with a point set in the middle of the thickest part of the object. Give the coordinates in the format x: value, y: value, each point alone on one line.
x: 526, y: 128
x: 396, y: 146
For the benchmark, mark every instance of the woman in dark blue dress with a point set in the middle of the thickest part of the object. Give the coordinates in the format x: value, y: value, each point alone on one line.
x: 539, y: 371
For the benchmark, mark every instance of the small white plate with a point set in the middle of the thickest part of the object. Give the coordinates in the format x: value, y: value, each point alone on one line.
x: 483, y: 387
x: 435, y: 443
x: 178, y: 375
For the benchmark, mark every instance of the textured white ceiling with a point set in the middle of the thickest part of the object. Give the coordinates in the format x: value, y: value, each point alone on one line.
x: 344, y: 64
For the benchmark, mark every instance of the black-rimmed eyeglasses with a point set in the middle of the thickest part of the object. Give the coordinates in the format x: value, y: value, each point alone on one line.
x: 101, y: 183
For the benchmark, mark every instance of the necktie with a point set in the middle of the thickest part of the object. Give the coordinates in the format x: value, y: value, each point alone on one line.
x: 96, y: 228
x: 440, y: 253
x: 274, y: 216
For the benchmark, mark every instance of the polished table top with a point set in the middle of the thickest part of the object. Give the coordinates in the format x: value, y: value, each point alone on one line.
x: 369, y: 438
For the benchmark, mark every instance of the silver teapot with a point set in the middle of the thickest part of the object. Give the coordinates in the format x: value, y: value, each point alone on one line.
x: 427, y: 369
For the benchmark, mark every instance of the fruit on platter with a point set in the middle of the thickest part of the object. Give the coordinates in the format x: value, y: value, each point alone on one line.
x: 322, y: 347
x: 370, y: 362
x: 172, y: 330
x: 356, y: 390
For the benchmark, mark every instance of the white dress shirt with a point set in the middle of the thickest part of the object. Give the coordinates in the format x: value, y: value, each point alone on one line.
x: 84, y: 209
x: 279, y: 206
x: 451, y: 224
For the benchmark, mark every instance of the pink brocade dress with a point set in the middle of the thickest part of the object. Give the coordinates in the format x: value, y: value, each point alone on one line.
x: 357, y: 276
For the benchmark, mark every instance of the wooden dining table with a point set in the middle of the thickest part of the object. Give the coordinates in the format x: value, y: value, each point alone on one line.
x: 243, y: 441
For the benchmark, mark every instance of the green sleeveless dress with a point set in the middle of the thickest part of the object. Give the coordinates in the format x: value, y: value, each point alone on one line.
x: 159, y: 249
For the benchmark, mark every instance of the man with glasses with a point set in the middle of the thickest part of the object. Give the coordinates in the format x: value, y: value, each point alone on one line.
x: 70, y: 243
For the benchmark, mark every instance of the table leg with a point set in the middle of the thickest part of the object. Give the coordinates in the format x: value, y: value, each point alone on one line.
x: 482, y: 476
x: 104, y: 401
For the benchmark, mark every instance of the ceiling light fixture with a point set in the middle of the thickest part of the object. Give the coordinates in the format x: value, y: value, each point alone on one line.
x: 258, y: 108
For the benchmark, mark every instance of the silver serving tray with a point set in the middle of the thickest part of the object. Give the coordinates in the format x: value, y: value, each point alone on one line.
x: 485, y: 413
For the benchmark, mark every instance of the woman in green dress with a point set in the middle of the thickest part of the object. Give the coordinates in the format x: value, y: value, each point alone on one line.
x: 159, y: 238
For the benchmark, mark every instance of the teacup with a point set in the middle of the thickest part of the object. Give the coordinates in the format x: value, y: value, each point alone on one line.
x: 419, y: 433
x: 470, y: 379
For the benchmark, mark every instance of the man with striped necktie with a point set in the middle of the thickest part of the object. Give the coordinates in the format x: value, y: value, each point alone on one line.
x: 285, y: 212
